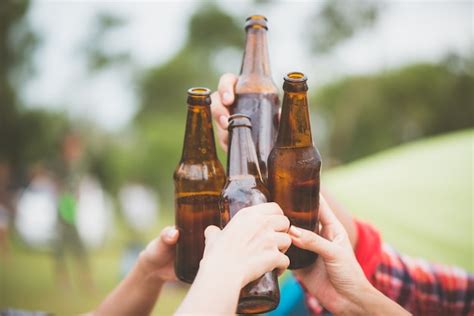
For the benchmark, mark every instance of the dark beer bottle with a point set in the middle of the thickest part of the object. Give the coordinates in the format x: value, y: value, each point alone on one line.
x: 256, y: 93
x: 295, y: 166
x: 198, y: 178
x: 244, y: 187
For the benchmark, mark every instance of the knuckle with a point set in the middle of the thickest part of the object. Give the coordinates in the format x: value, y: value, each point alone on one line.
x: 228, y: 76
x: 287, y: 240
x: 286, y: 260
x: 243, y: 211
x: 267, y: 221
x: 225, y: 80
x: 276, y: 207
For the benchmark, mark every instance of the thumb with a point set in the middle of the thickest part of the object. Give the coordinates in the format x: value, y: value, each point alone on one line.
x: 211, y: 234
x: 169, y: 236
x: 308, y: 240
x: 163, y: 246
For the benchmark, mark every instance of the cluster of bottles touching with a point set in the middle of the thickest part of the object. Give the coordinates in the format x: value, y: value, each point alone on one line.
x: 269, y: 159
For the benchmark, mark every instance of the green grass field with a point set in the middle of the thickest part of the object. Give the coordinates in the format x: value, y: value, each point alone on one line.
x: 419, y: 195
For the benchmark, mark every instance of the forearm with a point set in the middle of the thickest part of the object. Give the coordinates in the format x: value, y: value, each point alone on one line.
x: 135, y: 295
x: 214, y: 292
x: 373, y: 302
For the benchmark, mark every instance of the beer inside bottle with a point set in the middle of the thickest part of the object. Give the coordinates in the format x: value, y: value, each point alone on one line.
x: 295, y: 166
x: 256, y: 93
x: 198, y: 178
x: 244, y: 187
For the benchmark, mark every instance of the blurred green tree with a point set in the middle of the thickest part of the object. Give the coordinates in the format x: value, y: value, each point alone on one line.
x: 11, y: 15
x: 339, y: 20
x: 365, y: 114
x: 152, y: 150
x: 98, y: 55
x: 162, y: 91
x: 162, y: 87
x: 27, y: 135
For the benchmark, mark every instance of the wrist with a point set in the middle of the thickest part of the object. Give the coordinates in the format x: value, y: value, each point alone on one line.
x: 222, y: 272
x: 372, y: 301
x: 358, y: 300
x: 215, y: 290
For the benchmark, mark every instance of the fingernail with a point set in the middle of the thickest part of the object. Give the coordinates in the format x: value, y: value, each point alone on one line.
x: 227, y: 97
x: 170, y: 232
x: 223, y: 121
x: 295, y: 231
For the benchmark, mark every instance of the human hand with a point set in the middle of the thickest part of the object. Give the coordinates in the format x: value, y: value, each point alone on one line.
x: 336, y: 278
x: 251, y: 244
x: 221, y: 101
x: 157, y: 259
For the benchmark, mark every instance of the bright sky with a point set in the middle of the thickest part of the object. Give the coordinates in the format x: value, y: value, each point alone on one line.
x: 408, y: 31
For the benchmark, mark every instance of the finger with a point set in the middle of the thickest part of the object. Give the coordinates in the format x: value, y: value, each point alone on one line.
x: 308, y: 240
x: 164, y: 244
x: 328, y: 219
x: 270, y: 208
x: 283, y: 241
x: 280, y: 271
x: 219, y: 112
x: 169, y: 235
x: 327, y: 233
x: 279, y: 223
x: 222, y: 137
x: 226, y: 88
x: 211, y: 233
x: 281, y: 261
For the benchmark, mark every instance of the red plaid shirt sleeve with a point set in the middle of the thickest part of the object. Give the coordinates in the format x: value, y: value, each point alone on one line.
x: 420, y: 287
x: 424, y: 288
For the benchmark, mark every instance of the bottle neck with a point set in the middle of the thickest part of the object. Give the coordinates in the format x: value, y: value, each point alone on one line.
x: 242, y: 155
x: 256, y: 60
x: 295, y: 127
x: 199, y: 141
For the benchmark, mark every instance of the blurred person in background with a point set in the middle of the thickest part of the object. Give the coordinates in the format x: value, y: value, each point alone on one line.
x: 68, y: 173
x: 139, y: 206
x: 421, y: 287
x: 36, y: 214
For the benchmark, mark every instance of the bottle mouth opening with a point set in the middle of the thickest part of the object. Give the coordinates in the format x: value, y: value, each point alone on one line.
x: 256, y: 22
x: 256, y: 17
x: 295, y: 76
x: 199, y: 91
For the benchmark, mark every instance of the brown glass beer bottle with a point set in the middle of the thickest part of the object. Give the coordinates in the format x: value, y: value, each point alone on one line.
x: 199, y: 179
x: 256, y: 93
x: 295, y: 166
x: 244, y: 187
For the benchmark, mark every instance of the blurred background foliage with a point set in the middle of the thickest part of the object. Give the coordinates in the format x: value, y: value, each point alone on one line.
x: 362, y: 114
x: 339, y: 20
x: 366, y: 114
x: 359, y: 115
